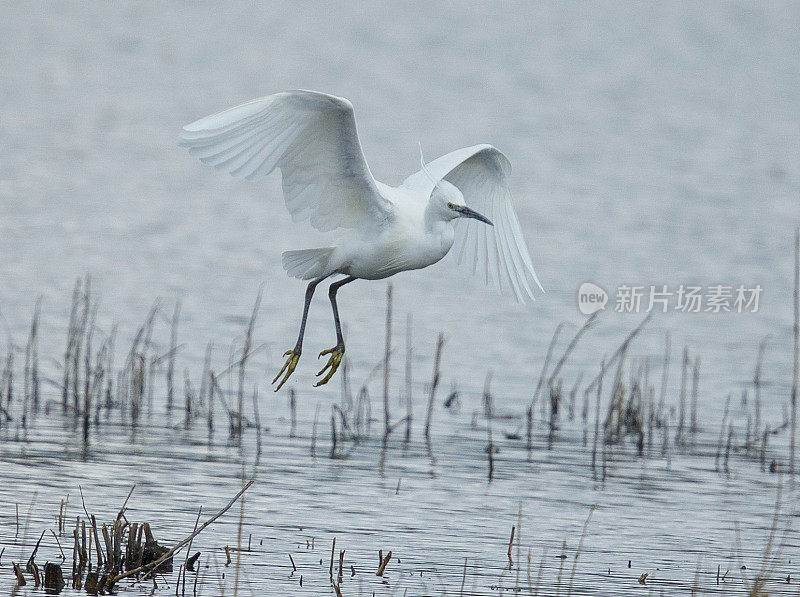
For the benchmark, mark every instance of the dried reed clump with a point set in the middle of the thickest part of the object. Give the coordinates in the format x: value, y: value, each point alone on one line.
x: 103, y: 555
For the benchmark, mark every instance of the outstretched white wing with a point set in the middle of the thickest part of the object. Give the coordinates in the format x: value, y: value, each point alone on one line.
x: 498, y: 252
x: 312, y: 138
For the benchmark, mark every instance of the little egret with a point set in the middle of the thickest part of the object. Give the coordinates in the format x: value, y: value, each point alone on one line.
x: 459, y: 199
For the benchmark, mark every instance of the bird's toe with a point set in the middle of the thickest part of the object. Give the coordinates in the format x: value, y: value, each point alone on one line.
x: 334, y: 360
x: 288, y: 367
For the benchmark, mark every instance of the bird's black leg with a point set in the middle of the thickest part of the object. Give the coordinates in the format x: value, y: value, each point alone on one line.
x: 294, y: 355
x: 337, y: 352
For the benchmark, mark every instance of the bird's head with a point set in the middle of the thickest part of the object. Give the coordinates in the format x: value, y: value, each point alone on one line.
x: 448, y: 202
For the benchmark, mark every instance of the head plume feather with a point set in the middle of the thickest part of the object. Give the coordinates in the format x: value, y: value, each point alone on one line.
x: 425, y: 168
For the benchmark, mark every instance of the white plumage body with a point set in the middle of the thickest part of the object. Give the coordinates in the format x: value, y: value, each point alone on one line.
x: 404, y: 243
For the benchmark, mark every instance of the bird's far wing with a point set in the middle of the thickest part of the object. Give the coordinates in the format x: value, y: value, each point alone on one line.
x: 311, y: 137
x: 498, y: 252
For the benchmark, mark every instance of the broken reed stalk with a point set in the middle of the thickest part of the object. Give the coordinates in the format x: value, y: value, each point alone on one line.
x: 73, y: 314
x: 314, y: 432
x: 762, y: 347
x: 76, y: 355
x: 490, y: 444
x: 168, y: 554
x: 511, y: 545
x: 546, y: 364
x: 333, y: 551
x: 694, y: 428
x: 387, y: 426
x: 173, y: 348
x: 384, y: 562
x: 333, y: 433
x: 188, y: 394
x: 212, y: 385
x: 132, y: 384
x: 562, y: 558
x: 572, y: 397
x: 409, y: 356
x: 239, y: 529
x: 796, y: 359
x: 488, y: 401
x: 203, y: 392
x: 5, y: 411
x: 621, y: 349
x: 580, y: 546
x: 292, y: 412
x: 88, y: 388
x: 248, y: 341
x: 682, y: 405
x: 21, y: 582
x: 188, y: 551
x: 110, y: 367
x: 722, y: 433
x: 571, y: 346
x: 434, y: 384
x: 728, y: 448
x: 597, y: 415
x: 664, y: 378
x: 529, y: 430
x: 519, y: 542
x: 257, y: 422
x: 32, y: 361
x: 87, y: 361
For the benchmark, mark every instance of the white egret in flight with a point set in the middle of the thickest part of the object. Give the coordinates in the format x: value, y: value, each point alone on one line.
x: 460, y: 199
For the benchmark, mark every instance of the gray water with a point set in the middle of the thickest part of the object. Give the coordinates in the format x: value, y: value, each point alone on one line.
x: 651, y: 145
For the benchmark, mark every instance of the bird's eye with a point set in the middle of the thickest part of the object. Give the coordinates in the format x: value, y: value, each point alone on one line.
x: 451, y: 205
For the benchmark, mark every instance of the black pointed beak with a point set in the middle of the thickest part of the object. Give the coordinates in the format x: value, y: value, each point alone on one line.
x: 466, y: 212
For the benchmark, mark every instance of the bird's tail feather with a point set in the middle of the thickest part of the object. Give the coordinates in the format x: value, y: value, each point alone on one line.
x: 307, y: 263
